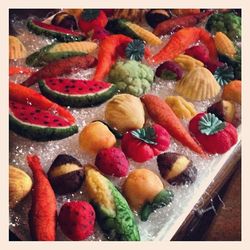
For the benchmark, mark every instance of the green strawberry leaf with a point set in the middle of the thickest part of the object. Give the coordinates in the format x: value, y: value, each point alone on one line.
x: 90, y: 14
x: 135, y: 50
x: 146, y: 134
x: 224, y: 74
x: 209, y: 124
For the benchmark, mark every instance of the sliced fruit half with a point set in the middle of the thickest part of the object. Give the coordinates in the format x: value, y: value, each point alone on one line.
x: 33, y: 116
x: 76, y: 93
x: 49, y: 30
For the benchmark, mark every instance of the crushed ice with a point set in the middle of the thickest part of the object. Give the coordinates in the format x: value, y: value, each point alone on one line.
x: 20, y: 147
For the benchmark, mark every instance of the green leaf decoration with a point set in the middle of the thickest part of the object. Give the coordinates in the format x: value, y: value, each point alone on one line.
x: 90, y: 14
x: 146, y: 134
x: 162, y: 199
x: 209, y: 124
x: 135, y: 50
x: 224, y: 74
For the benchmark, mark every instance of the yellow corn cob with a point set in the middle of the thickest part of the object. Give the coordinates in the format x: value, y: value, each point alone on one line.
x: 85, y: 47
x: 16, y: 48
x: 187, y: 62
x: 146, y: 35
x: 224, y: 45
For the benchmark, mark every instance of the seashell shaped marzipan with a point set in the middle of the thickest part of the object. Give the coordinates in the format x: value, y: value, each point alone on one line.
x: 197, y: 85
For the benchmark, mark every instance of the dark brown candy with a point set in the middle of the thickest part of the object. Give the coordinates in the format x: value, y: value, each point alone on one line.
x: 66, y: 174
x: 176, y: 168
x: 64, y: 20
x: 224, y: 110
x: 155, y: 17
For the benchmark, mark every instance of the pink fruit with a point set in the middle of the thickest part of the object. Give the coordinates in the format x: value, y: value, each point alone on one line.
x: 112, y: 161
x: 77, y: 219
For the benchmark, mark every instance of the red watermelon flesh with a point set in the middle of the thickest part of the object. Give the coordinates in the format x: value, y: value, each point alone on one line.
x: 55, y: 28
x: 33, y: 115
x: 76, y: 87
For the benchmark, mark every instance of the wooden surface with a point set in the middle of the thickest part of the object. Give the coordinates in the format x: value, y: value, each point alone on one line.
x: 194, y: 218
x: 226, y: 224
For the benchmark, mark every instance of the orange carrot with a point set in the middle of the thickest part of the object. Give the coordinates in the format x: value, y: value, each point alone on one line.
x: 42, y: 216
x: 182, y: 40
x: 23, y: 94
x: 108, y: 53
x: 162, y: 114
x: 14, y: 70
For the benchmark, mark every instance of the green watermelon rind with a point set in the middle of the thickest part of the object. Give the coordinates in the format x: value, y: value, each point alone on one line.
x: 60, y: 36
x: 40, y: 133
x: 78, y: 101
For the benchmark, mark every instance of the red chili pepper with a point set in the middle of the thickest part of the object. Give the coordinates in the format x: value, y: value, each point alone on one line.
x: 61, y: 67
x: 14, y: 70
x: 169, y: 25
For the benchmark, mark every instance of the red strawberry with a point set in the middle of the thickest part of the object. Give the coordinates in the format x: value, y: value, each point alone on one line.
x: 219, y: 142
x: 77, y: 219
x: 91, y: 19
x: 143, y: 144
x: 112, y: 161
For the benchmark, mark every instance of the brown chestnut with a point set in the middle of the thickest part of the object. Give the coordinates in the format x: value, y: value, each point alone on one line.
x: 224, y: 110
x: 65, y: 174
x: 154, y: 17
x: 64, y: 20
x: 176, y: 168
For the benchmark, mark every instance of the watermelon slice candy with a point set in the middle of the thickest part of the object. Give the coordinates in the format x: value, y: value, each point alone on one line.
x: 76, y: 93
x: 61, y: 34
x: 29, y: 113
x: 35, y: 117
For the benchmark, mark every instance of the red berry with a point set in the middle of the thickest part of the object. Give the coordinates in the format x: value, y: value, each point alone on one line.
x: 112, y: 161
x: 77, y: 219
